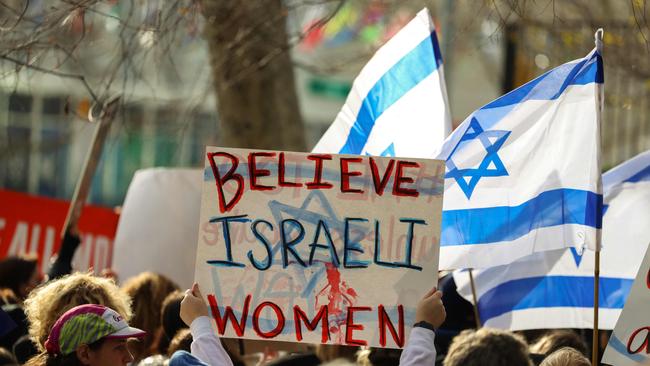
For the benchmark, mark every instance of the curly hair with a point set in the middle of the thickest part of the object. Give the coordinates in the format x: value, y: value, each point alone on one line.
x: 148, y: 290
x: 566, y: 356
x: 48, y: 302
x: 487, y: 347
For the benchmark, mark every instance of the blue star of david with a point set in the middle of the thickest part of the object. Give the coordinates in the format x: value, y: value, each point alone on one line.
x: 491, y: 166
x: 577, y: 257
x: 390, y: 151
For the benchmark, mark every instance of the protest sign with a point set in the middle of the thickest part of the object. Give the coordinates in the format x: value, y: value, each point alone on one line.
x: 629, y: 344
x: 317, y: 248
x: 32, y: 225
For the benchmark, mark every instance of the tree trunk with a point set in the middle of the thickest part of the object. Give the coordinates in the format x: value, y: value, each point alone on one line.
x: 253, y: 75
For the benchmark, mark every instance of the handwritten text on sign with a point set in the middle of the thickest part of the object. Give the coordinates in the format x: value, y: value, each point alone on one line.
x: 629, y: 344
x: 318, y: 248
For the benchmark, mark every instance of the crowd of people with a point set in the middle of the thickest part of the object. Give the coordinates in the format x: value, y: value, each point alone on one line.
x: 81, y: 319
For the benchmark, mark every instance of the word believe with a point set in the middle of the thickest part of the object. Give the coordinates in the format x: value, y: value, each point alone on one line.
x: 396, y: 169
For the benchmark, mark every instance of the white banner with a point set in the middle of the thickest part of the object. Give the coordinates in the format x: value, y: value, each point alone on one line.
x: 157, y: 228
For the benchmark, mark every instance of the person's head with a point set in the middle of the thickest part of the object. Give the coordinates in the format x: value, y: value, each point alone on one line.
x: 47, y: 303
x: 148, y: 290
x: 487, y: 347
x: 566, y: 356
x: 330, y: 352
x: 90, y: 335
x: 171, y: 314
x: 181, y: 342
x: 340, y: 362
x: 556, y: 339
x: 19, y: 274
x: 378, y: 357
x: 6, y: 358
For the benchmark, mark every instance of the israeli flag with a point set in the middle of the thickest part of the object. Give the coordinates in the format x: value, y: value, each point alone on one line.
x: 523, y: 172
x: 554, y: 289
x: 398, y: 103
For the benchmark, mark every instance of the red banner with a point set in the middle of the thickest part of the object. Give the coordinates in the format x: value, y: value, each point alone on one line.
x: 33, y: 224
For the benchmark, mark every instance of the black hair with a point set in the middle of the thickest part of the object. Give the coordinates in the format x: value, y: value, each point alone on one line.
x: 16, y: 271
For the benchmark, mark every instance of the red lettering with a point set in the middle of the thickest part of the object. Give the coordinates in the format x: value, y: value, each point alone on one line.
x: 380, y: 183
x: 350, y: 326
x: 278, y: 313
x: 240, y: 326
x: 281, y: 172
x: 398, y: 190
x: 318, y: 183
x: 299, y: 315
x: 223, y: 205
x: 643, y: 345
x: 647, y: 279
x: 346, y: 174
x: 385, y: 320
x: 254, y: 172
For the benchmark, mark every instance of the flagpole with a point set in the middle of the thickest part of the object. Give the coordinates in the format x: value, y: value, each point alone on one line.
x: 477, y: 317
x: 598, y: 38
x: 106, y: 113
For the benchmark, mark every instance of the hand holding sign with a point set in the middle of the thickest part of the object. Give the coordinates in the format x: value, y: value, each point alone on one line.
x: 193, y: 305
x: 430, y: 309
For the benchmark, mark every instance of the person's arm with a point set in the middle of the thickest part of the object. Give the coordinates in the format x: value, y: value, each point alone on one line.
x: 430, y: 314
x: 63, y: 263
x: 205, y: 344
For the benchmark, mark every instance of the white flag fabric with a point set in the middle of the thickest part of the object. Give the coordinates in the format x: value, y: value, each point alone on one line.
x: 398, y: 103
x: 523, y: 172
x: 554, y: 289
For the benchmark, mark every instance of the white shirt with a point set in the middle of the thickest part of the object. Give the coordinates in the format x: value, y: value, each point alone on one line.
x: 205, y: 344
x: 419, y: 350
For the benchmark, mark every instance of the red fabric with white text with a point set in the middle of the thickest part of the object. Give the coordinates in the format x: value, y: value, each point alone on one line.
x: 33, y: 224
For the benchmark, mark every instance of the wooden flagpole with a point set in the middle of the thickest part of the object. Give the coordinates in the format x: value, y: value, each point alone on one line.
x: 477, y: 316
x: 106, y: 114
x: 595, y: 340
x: 598, y: 37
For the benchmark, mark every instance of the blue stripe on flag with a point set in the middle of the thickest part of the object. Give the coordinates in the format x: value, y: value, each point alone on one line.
x: 397, y: 81
x: 505, y: 223
x: 641, y: 176
x: 553, y: 291
x: 552, y: 84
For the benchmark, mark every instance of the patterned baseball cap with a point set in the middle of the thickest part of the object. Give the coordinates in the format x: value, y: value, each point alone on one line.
x: 85, y: 324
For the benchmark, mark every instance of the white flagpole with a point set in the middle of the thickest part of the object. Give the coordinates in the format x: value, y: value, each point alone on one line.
x: 599, y: 108
x: 477, y: 316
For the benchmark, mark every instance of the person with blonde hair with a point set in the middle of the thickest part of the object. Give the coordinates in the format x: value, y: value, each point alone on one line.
x: 566, y: 356
x: 148, y: 290
x: 47, y: 303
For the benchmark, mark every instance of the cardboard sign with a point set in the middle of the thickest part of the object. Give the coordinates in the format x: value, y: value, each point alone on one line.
x: 32, y: 224
x: 629, y: 344
x: 317, y: 248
